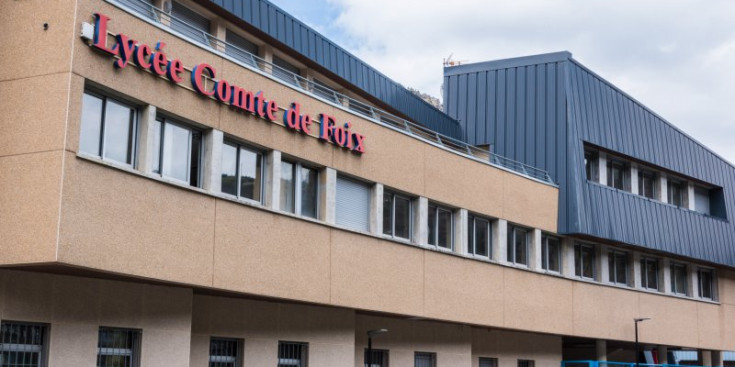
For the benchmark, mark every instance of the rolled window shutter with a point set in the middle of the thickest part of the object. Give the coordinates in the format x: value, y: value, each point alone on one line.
x: 353, y: 204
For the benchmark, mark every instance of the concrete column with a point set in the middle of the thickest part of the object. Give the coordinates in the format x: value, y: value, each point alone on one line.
x: 634, y: 178
x: 273, y: 180
x: 461, y: 217
x: 601, y: 350
x: 634, y: 279
x: 567, y: 258
x: 717, y: 358
x: 603, y: 265
x: 662, y: 187
x: 535, y: 250
x: 376, y: 209
x: 218, y: 29
x: 500, y: 241
x: 602, y: 168
x: 328, y: 195
x: 212, y: 161
x: 705, y: 356
x: 692, y: 281
x: 689, y: 199
x: 265, y: 52
x: 663, y: 354
x: 164, y: 5
x: 665, y: 274
x: 147, y: 136
x: 421, y: 221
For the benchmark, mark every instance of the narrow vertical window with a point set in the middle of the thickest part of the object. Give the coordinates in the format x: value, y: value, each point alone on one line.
x: 616, y: 174
x: 309, y: 181
x: 424, y: 359
x: 440, y: 226
x: 225, y: 352
x: 107, y: 129
x: 706, y: 284
x: 23, y: 344
x: 649, y: 273
x: 590, y: 165
x: 396, y: 215
x: 647, y: 184
x: 618, y: 267
x: 179, y: 152
x: 292, y: 354
x: 118, y: 347
x: 288, y: 186
x: 479, y: 236
x: 299, y: 189
x: 376, y: 358
x: 584, y: 261
x: 679, y: 279
x: 242, y: 171
x: 676, y: 192
x: 518, y: 245
x: 550, y: 253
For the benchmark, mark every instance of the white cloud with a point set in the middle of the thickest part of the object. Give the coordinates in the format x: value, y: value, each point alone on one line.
x: 674, y: 56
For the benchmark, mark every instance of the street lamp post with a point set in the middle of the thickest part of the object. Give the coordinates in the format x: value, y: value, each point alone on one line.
x: 371, y: 333
x: 637, y: 350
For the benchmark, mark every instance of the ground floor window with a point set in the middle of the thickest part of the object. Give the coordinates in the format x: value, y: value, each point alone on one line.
x: 118, y: 347
x: 526, y: 363
x: 225, y: 352
x: 488, y: 362
x: 293, y: 354
x: 424, y: 359
x: 23, y: 344
x: 376, y: 358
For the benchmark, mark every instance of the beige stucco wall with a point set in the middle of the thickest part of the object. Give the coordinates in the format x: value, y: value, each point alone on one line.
x: 76, y: 307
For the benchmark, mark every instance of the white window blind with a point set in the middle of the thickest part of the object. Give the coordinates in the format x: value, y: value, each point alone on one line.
x: 353, y: 204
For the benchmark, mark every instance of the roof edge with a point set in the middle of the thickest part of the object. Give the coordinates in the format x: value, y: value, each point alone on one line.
x: 508, y: 63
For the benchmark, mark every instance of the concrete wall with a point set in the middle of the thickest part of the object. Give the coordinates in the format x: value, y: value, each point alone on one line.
x: 75, y: 308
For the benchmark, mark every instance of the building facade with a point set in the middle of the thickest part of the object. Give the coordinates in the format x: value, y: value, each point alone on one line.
x: 193, y: 183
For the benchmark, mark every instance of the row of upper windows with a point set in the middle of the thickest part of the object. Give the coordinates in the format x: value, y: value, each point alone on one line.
x: 652, y: 183
x: 109, y: 130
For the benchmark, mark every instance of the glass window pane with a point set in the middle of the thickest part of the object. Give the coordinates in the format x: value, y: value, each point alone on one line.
x: 578, y: 260
x: 444, y: 234
x: 118, y: 132
x: 482, y: 237
x: 621, y: 268
x: 387, y: 213
x: 652, y: 273
x: 553, y: 248
x: 521, y: 246
x: 309, y: 192
x: 588, y: 259
x: 432, y: 224
x: 470, y: 234
x: 287, y: 187
x: 176, y: 152
x: 229, y: 169
x: 91, y: 129
x: 250, y: 174
x: 402, y: 217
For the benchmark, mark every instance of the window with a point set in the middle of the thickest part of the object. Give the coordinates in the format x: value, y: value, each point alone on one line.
x: 525, y: 363
x: 118, y: 347
x: 590, y: 165
x: 107, y: 129
x: 584, y: 261
x: 676, y: 192
x: 242, y: 171
x: 299, y: 189
x: 550, y: 253
x: 518, y: 245
x: 679, y: 279
x: 189, y: 23
x: 706, y: 283
x: 23, y: 344
x: 423, y: 359
x: 647, y: 184
x: 225, y: 352
x: 618, y: 267
x: 440, y: 226
x: 488, y: 362
x: 649, y: 273
x: 240, y: 48
x: 285, y: 71
x: 177, y: 151
x: 378, y: 358
x: 396, y: 215
x: 292, y: 354
x: 479, y: 236
x: 616, y: 174
x: 702, y: 200
x: 353, y: 204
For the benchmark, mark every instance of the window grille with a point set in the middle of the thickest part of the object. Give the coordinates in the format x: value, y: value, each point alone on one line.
x: 292, y: 354
x: 423, y: 359
x: 376, y: 358
x: 225, y: 352
x: 118, y: 347
x: 22, y: 344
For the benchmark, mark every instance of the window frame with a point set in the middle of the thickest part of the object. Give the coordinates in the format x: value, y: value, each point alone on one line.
x: 614, y: 163
x: 135, y: 350
x: 101, y: 146
x: 43, y: 349
x: 545, y: 253
x: 681, y: 187
x: 591, y: 164
x: 646, y: 173
x: 674, y: 287
x: 438, y: 208
x: 162, y: 121
x: 385, y: 353
x: 581, y: 246
x: 712, y: 286
x: 511, y: 247
x: 303, y: 358
x: 239, y: 349
x: 472, y: 220
x: 492, y: 360
x: 432, y: 356
x: 644, y: 273
x: 612, y: 256
x: 297, y: 187
x: 261, y: 154
x: 411, y: 201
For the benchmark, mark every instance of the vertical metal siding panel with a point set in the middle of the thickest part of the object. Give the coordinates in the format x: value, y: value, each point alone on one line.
x: 530, y: 133
x: 541, y: 130
x: 471, y: 104
x: 552, y: 123
x: 585, y: 117
x: 510, y: 116
x: 481, y: 106
x: 452, y: 83
x: 501, y: 119
x: 491, y: 108
x: 562, y: 142
x: 462, y: 108
x: 520, y: 130
x: 281, y: 23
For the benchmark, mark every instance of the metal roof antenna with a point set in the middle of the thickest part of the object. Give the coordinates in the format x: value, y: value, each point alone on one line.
x: 449, y: 62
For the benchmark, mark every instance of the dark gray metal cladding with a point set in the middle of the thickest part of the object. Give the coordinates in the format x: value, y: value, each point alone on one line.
x: 301, y: 38
x: 541, y: 110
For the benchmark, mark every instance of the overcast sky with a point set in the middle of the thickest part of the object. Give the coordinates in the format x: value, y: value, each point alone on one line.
x: 676, y: 57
